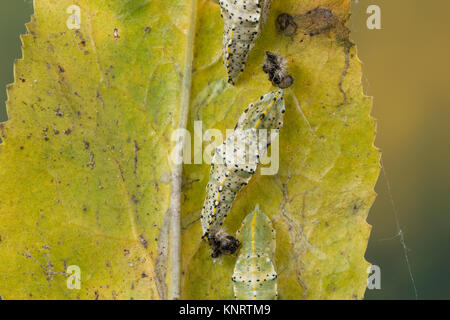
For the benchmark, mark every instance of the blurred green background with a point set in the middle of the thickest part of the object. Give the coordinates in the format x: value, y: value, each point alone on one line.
x: 407, y: 70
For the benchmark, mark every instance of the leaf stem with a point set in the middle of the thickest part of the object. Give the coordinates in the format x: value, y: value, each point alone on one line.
x: 177, y: 173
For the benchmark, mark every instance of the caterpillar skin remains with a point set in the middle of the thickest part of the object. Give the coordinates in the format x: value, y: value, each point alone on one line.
x: 276, y: 67
x: 254, y: 276
x: 228, y: 174
x: 243, y: 22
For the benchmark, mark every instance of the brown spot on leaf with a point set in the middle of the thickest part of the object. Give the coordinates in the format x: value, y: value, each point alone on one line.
x: 143, y: 241
x: 116, y: 33
x: 59, y: 113
x: 314, y: 22
x: 286, y: 25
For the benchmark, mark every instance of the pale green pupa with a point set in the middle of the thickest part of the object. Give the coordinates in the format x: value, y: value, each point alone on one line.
x: 254, y: 276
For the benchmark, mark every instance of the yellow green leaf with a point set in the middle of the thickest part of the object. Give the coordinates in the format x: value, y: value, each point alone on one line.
x: 86, y: 179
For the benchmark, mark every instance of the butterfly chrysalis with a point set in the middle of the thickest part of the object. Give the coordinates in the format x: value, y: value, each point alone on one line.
x: 233, y: 165
x: 243, y: 20
x: 254, y: 276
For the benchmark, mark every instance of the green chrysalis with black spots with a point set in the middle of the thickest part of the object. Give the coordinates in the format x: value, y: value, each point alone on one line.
x: 254, y: 276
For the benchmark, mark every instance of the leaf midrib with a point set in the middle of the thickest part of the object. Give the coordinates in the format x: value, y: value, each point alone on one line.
x: 177, y: 173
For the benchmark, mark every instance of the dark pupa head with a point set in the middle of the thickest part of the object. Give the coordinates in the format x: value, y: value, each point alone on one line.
x: 229, y: 245
x: 223, y: 243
